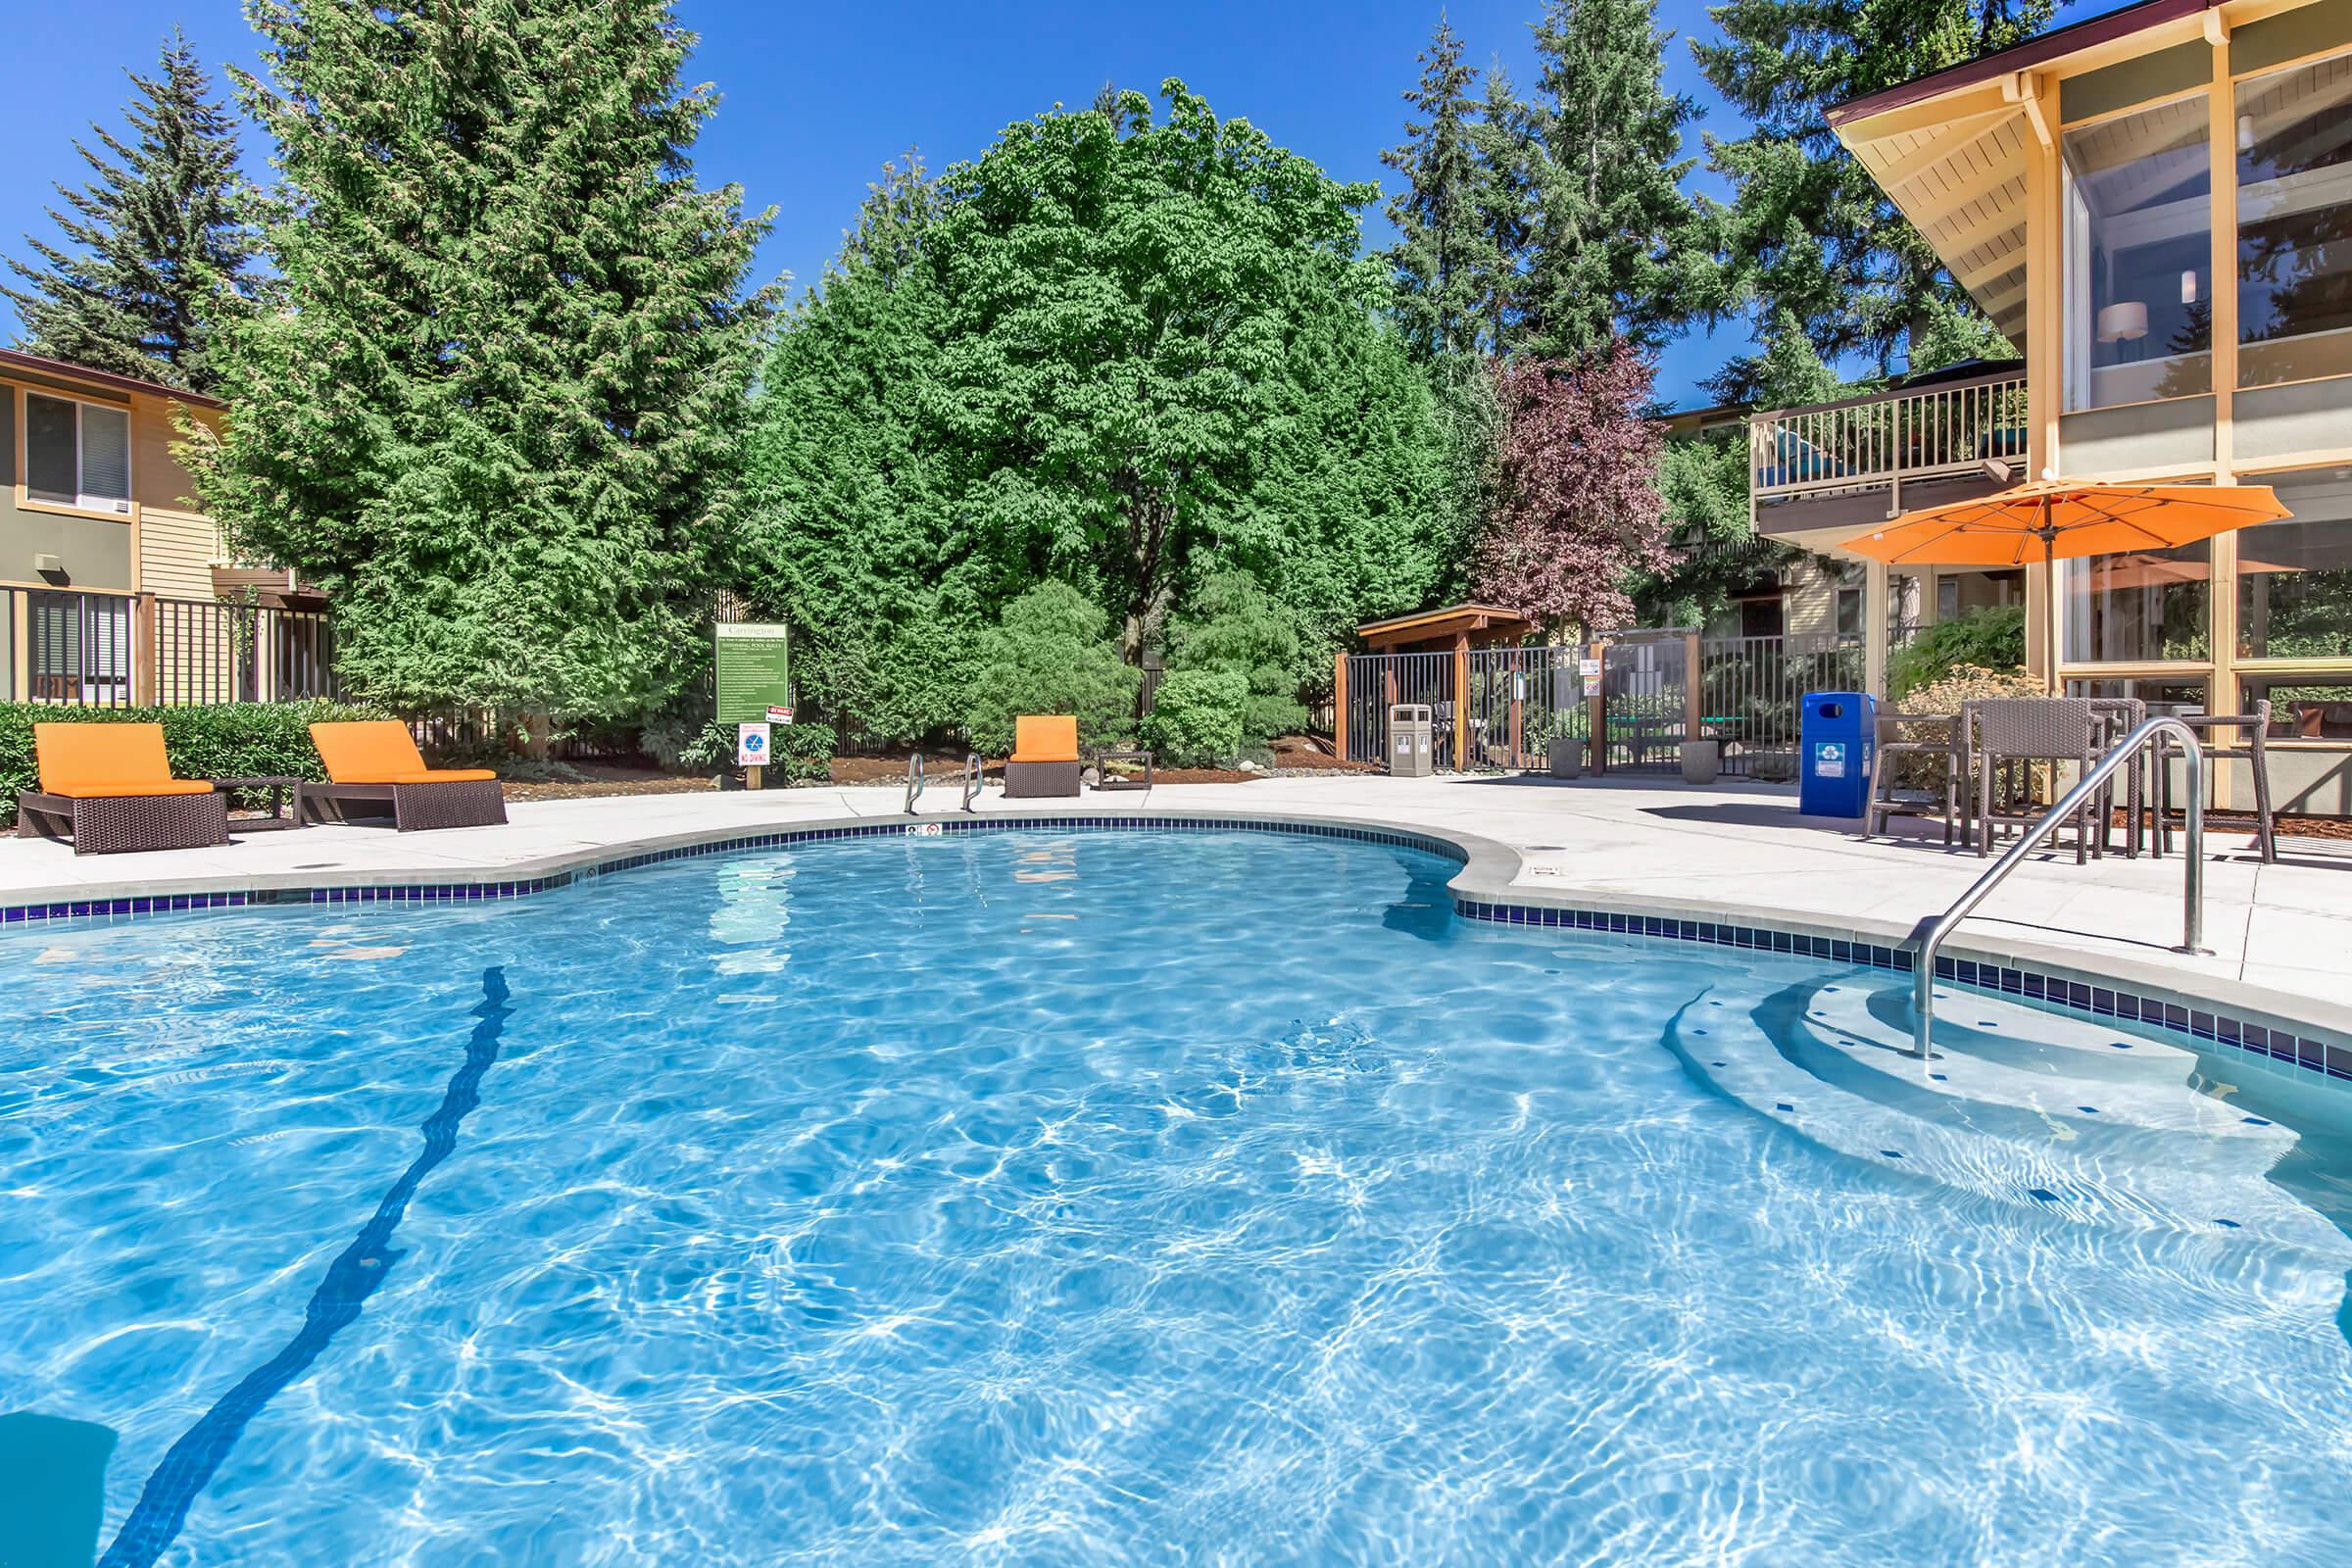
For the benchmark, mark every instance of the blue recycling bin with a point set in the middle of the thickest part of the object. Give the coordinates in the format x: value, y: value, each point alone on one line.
x: 1837, y: 737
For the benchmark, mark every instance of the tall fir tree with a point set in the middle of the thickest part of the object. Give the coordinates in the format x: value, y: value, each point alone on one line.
x: 1443, y: 250
x: 1511, y: 172
x: 1620, y: 251
x: 158, y: 247
x: 1809, y: 232
x: 500, y: 421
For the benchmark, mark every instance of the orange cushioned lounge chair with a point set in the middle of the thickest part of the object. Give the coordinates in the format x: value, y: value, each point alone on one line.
x: 109, y: 789
x: 374, y: 771
x: 1044, y: 757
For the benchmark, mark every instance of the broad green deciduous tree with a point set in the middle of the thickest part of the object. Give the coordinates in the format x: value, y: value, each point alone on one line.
x: 159, y: 246
x: 1115, y: 351
x: 499, y: 420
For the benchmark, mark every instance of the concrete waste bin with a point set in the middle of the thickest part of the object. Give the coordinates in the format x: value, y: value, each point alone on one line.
x: 1412, y: 740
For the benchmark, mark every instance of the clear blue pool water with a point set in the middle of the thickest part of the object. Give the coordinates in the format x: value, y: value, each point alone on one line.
x: 1103, y: 1199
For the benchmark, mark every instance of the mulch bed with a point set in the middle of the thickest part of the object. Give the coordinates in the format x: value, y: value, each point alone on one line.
x: 2285, y: 825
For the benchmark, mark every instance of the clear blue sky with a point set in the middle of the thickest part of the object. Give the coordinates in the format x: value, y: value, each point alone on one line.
x: 814, y: 98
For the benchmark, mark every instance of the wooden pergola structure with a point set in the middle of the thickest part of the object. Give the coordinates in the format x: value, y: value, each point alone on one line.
x: 1454, y: 629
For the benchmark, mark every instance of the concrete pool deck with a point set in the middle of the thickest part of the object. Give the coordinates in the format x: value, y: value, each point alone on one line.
x: 2281, y: 935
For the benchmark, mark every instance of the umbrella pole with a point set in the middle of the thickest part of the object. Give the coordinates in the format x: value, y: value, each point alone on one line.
x: 2050, y: 570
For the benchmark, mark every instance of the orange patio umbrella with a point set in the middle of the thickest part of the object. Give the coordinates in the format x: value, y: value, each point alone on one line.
x: 2059, y: 521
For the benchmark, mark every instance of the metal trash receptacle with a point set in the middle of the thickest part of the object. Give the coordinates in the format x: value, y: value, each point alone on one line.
x: 1412, y: 740
x: 1836, y: 735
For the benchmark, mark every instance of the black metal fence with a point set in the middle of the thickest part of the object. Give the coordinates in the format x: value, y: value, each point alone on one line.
x: 1750, y: 692
x: 104, y: 649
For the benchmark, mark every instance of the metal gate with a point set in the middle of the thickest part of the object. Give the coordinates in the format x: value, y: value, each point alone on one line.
x: 1645, y: 685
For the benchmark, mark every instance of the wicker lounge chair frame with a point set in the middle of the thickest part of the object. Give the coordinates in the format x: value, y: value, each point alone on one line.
x: 408, y: 807
x: 410, y: 803
x: 1044, y: 759
x: 194, y: 816
x: 118, y: 824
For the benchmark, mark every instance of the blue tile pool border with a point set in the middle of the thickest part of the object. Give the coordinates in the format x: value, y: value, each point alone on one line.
x: 2058, y: 991
x: 2053, y: 990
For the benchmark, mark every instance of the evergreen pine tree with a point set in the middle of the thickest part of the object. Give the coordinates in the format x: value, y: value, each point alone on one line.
x: 1810, y: 232
x: 157, y: 251
x: 1510, y: 174
x: 1620, y: 252
x: 501, y: 422
x: 1441, y: 250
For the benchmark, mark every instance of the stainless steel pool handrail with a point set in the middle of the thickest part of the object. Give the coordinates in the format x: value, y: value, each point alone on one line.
x: 915, y: 782
x: 971, y: 778
x: 1931, y: 932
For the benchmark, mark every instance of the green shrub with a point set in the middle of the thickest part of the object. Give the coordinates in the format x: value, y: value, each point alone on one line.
x: 1235, y: 627
x: 1196, y: 721
x: 1049, y: 652
x: 1993, y: 638
x: 799, y: 754
x: 235, y: 738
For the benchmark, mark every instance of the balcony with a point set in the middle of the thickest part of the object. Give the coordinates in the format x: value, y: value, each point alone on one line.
x: 1855, y: 462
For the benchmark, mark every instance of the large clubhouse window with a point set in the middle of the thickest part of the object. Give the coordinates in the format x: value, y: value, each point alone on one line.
x: 2295, y: 223
x: 2294, y: 578
x: 2138, y: 257
x: 2304, y: 707
x: 2140, y: 607
x: 76, y: 454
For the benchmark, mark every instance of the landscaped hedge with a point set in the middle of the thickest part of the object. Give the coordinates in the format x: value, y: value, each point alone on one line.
x: 801, y: 753
x: 236, y: 739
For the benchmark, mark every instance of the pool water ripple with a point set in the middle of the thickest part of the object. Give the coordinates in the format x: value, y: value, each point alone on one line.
x: 1036, y: 1199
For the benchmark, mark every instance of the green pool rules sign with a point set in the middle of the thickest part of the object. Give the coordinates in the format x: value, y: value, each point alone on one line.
x: 755, y: 672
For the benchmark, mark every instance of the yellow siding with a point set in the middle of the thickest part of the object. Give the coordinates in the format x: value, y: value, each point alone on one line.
x: 1810, y: 608
x: 177, y: 552
x: 178, y: 544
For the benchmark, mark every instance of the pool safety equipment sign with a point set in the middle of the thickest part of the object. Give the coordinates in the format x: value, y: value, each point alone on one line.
x: 1590, y: 670
x: 755, y: 672
x: 751, y: 745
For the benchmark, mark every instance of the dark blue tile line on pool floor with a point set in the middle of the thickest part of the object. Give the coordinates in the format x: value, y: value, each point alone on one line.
x: 189, y: 1466
x: 2055, y: 991
x: 2278, y: 1045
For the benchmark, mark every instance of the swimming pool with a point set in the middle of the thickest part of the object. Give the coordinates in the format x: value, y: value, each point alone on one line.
x: 1127, y: 1197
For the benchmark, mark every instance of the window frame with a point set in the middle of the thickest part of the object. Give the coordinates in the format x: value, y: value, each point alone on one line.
x: 110, y: 509
x: 2069, y: 306
x: 2231, y: 84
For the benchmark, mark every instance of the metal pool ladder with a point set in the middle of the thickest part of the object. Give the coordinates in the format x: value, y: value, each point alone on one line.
x: 915, y: 782
x: 1931, y: 931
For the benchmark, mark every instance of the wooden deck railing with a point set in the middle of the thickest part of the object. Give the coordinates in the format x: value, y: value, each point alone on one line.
x: 1887, y: 438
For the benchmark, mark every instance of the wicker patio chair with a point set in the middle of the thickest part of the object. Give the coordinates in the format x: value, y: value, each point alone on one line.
x: 2118, y: 717
x: 1942, y: 741
x: 2257, y: 725
x: 2024, y: 730
x: 108, y: 788
x: 374, y: 773
x: 1044, y: 757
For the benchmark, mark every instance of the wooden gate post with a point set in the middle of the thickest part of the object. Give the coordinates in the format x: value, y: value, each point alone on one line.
x: 1597, y: 717
x: 1693, y: 700
x: 143, y: 686
x: 1461, y: 702
x: 1338, y: 704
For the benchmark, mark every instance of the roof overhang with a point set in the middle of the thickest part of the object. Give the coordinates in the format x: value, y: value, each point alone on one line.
x: 1952, y: 149
x: 1477, y: 623
x: 66, y: 371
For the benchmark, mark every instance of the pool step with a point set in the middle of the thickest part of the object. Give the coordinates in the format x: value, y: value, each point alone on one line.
x: 2056, y: 1070
x: 2153, y: 1163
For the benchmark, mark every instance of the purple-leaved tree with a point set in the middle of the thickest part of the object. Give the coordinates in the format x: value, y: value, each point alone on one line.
x: 1576, y: 494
